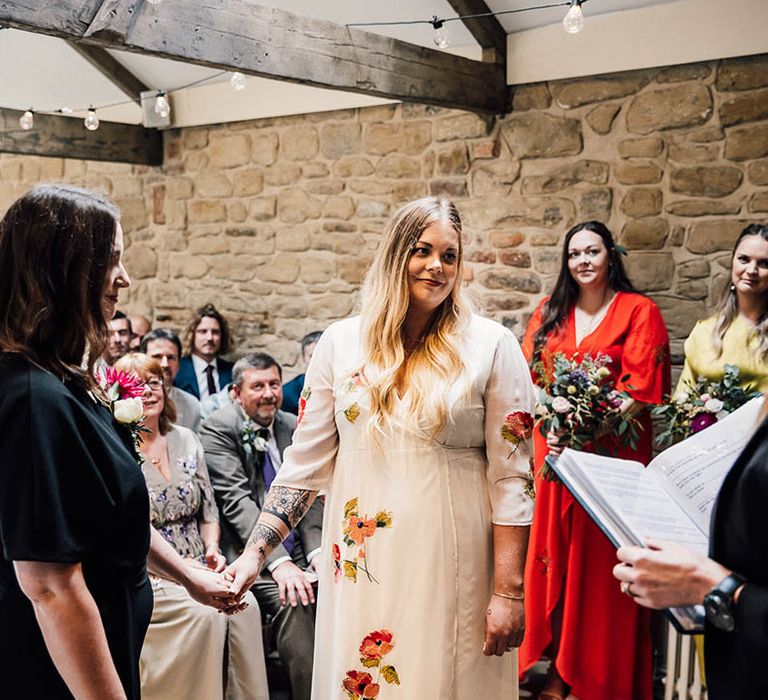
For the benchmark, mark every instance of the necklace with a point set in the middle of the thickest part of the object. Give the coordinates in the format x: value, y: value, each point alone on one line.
x: 154, y: 462
x: 586, y: 323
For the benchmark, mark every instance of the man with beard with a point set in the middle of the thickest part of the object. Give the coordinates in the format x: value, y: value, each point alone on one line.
x: 119, y: 338
x: 140, y: 326
x: 202, y: 372
x: 244, y: 443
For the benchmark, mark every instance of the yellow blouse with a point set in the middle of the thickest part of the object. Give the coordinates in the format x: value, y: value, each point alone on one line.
x: 739, y: 348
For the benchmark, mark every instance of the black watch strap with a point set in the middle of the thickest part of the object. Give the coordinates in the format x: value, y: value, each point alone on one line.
x: 730, y: 584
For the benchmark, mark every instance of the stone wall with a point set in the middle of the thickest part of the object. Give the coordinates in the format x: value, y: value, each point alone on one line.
x: 276, y: 220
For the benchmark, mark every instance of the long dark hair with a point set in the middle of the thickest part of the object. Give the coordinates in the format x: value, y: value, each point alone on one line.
x: 728, y: 306
x: 207, y: 311
x: 56, y: 246
x: 566, y: 291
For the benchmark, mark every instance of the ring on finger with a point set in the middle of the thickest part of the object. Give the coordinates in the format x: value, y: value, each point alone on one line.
x: 626, y: 589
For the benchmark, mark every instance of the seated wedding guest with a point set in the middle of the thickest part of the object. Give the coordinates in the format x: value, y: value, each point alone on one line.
x: 737, y: 334
x: 220, y: 398
x: 244, y: 444
x: 164, y: 345
x: 140, y: 326
x: 732, y: 582
x: 75, y: 540
x: 202, y: 372
x: 119, y: 338
x: 599, y: 645
x: 292, y: 390
x: 187, y: 644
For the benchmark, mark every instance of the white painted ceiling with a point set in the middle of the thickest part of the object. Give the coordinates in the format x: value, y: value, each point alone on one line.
x: 45, y: 73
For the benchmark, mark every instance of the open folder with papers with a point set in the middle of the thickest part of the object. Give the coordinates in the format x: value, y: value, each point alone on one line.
x: 671, y: 499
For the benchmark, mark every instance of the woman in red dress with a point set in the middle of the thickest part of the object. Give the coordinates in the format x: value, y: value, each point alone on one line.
x: 599, y: 642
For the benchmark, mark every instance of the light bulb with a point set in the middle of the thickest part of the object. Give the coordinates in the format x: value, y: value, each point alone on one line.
x: 573, y: 22
x: 162, y: 108
x: 27, y: 120
x: 442, y: 37
x: 91, y: 121
x: 238, y: 82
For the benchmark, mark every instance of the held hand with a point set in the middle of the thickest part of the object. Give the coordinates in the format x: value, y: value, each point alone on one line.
x: 242, y: 573
x: 208, y: 587
x: 666, y: 574
x: 214, y: 558
x: 504, y: 625
x: 293, y: 582
x: 557, y: 441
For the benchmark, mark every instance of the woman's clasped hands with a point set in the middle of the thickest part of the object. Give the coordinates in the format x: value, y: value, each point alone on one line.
x: 211, y: 586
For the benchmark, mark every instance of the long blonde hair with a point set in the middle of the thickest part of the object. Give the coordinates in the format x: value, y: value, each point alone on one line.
x: 436, y: 363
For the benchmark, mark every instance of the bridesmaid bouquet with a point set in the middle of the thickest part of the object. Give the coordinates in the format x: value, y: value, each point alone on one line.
x: 701, y: 404
x: 581, y: 400
x: 123, y: 391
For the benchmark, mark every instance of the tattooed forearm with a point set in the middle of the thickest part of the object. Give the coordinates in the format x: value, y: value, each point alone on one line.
x: 264, y: 539
x: 288, y: 504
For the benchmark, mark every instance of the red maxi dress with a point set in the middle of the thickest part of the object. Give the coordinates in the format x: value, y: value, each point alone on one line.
x: 605, y: 646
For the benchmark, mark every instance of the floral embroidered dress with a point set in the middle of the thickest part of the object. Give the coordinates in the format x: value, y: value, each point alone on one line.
x: 408, y: 568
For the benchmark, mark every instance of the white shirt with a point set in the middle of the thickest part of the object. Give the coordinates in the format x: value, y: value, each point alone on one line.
x: 200, y: 366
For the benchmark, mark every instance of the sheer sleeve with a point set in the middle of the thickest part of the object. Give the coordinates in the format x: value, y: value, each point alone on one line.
x: 209, y: 512
x: 508, y: 429
x: 308, y: 463
x: 645, y: 359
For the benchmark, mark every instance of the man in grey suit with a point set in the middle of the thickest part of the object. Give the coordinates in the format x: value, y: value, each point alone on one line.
x: 244, y: 443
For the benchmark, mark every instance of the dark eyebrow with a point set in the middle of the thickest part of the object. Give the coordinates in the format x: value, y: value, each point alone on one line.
x: 424, y: 243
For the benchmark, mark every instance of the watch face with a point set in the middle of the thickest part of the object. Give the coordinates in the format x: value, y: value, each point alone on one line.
x: 719, y: 611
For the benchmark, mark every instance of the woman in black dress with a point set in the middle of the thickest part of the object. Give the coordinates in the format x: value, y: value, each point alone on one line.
x: 75, y: 601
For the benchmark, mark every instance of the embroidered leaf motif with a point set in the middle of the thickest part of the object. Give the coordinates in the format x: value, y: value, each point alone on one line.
x: 384, y: 519
x: 530, y: 485
x: 352, y: 413
x: 389, y: 674
x: 350, y: 507
x: 350, y: 570
x: 508, y: 435
x: 306, y: 392
x: 370, y: 663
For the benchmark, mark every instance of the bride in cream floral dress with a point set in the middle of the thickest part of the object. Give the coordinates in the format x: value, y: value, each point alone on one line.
x: 415, y: 424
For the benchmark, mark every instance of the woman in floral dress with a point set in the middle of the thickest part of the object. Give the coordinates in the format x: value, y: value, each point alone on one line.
x: 414, y: 422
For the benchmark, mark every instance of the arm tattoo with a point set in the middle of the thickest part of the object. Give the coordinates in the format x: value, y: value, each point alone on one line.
x: 288, y: 504
x: 265, y: 539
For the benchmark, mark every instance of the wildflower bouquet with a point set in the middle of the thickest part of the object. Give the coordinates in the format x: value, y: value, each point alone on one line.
x: 581, y: 400
x: 701, y: 404
x: 123, y: 391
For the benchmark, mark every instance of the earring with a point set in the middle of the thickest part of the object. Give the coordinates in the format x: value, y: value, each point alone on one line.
x: 733, y: 287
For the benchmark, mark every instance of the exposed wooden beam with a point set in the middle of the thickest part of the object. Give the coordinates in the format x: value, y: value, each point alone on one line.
x: 487, y: 31
x: 66, y: 137
x: 112, y: 69
x: 272, y: 43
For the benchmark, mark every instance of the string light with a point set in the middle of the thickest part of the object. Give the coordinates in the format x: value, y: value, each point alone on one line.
x: 573, y: 22
x: 162, y: 108
x: 91, y: 121
x: 27, y: 120
x: 441, y: 38
x: 155, y: 2
x: 238, y: 81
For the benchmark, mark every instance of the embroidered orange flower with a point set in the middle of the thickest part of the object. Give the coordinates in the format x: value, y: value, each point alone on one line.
x: 357, y: 528
x: 360, y: 685
x: 518, y: 426
x: 336, y: 550
x: 376, y: 644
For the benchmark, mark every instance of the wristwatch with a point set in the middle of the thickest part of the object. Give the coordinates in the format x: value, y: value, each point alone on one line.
x: 719, y: 604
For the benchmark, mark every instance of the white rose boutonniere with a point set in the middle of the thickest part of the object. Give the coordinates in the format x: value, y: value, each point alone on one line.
x: 124, y: 391
x: 128, y: 410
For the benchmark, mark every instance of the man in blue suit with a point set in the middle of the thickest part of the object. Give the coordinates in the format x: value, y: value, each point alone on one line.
x: 202, y: 372
x: 292, y: 390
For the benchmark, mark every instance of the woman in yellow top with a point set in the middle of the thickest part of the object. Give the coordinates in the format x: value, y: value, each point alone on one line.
x: 738, y: 332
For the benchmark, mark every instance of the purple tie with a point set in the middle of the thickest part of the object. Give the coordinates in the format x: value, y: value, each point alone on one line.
x: 268, y: 469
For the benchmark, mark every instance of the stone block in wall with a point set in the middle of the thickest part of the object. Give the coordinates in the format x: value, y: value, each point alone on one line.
x: 206, y: 211
x: 300, y: 143
x: 693, y: 269
x: 317, y: 268
x: 175, y: 216
x: 595, y: 204
x: 352, y: 167
x: 158, y: 205
x: 542, y: 135
x: 758, y: 203
x: 641, y: 148
x: 485, y: 149
x: 314, y: 170
x: 650, y: 272
x: 592, y: 171
x: 140, y: 261
x: 171, y: 295
x: 332, y: 307
x: 669, y: 108
x: 692, y: 289
x: 370, y: 208
x: 134, y: 214
x: 371, y: 186
x: 601, y: 118
x: 512, y: 281
x: 179, y: 187
x: 337, y: 140
x: 196, y: 161
x: 703, y: 207
x: 506, y: 239
x: 262, y: 208
x: 495, y: 178
x: 338, y: 208
x: 575, y: 93
x: 710, y: 236
x: 547, y: 261
x: 642, y: 201
x: 461, y: 126
x: 448, y: 188
x: 638, y: 173
x: 408, y: 190
x: 255, y: 240
x: 238, y: 268
x: 514, y: 258
x: 248, y: 182
x: 237, y: 212
x: 681, y: 152
x: 706, y: 181
x: 533, y: 96
x: 417, y: 136
x: 395, y: 165
x: 213, y: 184
x: 283, y: 269
x: 746, y: 107
x: 282, y: 174
x: 324, y: 186
x: 295, y: 240
x: 747, y: 142
x: 680, y: 315
x: 11, y: 171
x: 130, y: 186
x: 453, y: 160
x: 646, y: 234
x: 352, y: 268
x: 295, y: 206
x: 211, y: 243
x: 193, y: 139
x: 186, y: 266
x: 487, y: 257
x: 757, y: 172
x: 229, y: 150
x: 745, y: 73
x: 264, y: 148
x: 682, y: 74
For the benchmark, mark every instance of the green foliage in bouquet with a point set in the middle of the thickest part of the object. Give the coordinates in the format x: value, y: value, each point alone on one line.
x: 581, y: 400
x: 700, y: 404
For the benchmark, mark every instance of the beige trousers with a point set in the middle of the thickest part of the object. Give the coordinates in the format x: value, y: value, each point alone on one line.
x: 183, y: 653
